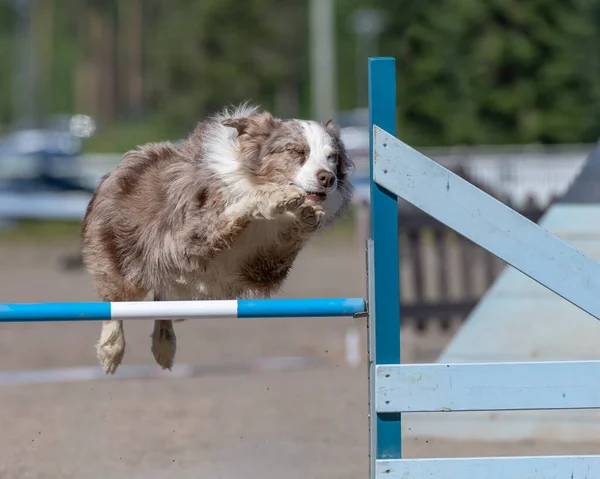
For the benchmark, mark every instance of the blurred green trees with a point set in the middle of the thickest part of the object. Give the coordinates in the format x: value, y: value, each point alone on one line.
x: 496, y: 71
x: 469, y: 71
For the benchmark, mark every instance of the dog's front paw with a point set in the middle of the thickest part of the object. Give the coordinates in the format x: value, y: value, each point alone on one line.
x: 291, y: 199
x: 280, y: 201
x: 310, y: 217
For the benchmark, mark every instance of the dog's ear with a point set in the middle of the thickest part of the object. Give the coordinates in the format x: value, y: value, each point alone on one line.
x: 333, y: 127
x: 255, y: 125
x: 240, y: 124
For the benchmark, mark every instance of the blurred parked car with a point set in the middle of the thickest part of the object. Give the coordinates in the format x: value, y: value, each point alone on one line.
x: 39, y: 172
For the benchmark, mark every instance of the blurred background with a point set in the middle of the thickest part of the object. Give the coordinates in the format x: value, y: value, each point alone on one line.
x: 504, y: 93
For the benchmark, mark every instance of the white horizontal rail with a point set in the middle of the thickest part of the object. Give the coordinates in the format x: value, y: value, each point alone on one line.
x: 487, y: 386
x: 542, y: 467
x: 486, y: 221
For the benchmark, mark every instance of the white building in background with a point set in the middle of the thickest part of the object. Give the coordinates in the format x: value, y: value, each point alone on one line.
x: 518, y: 172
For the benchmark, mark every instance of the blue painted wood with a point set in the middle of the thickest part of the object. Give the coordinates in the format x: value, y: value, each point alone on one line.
x: 487, y: 222
x: 54, y: 312
x: 295, y: 308
x: 542, y: 467
x: 385, y: 310
x: 266, y: 308
x: 488, y: 386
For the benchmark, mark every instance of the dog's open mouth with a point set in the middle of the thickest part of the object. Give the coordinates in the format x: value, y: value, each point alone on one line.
x: 315, y: 196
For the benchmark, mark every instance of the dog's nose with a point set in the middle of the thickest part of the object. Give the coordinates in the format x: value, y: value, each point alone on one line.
x: 326, y: 178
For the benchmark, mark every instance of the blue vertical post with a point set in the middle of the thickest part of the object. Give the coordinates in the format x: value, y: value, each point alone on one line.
x: 385, y: 312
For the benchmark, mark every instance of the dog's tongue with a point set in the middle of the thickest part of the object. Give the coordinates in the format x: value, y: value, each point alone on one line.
x: 314, y: 197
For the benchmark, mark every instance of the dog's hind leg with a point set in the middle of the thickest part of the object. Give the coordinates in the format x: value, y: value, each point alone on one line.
x: 110, y: 349
x: 164, y: 341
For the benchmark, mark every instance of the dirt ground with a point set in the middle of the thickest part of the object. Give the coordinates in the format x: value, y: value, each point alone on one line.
x: 230, y: 409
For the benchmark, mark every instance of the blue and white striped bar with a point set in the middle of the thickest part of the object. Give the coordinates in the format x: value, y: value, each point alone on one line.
x: 264, y: 308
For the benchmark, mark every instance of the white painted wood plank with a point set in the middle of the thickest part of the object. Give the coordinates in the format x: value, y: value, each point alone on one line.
x: 542, y: 467
x: 487, y: 386
x: 486, y: 221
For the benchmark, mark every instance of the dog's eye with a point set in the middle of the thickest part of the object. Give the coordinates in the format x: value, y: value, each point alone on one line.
x: 332, y: 160
x: 296, y: 153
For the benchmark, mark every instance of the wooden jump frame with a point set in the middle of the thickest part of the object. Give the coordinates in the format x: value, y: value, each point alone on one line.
x: 397, y: 170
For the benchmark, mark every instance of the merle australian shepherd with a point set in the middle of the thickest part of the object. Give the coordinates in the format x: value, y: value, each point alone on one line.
x: 222, y: 215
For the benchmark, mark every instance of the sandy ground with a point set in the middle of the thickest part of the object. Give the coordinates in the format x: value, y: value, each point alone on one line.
x: 229, y: 420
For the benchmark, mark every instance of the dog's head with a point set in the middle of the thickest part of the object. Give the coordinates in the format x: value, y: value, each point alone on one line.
x: 308, y: 154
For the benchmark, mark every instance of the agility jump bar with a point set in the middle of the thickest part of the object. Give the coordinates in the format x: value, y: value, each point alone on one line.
x: 264, y: 308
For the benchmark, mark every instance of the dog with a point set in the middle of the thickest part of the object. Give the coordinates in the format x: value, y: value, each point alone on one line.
x: 221, y: 215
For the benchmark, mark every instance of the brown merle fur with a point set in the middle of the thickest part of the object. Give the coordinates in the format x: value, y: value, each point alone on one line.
x: 158, y: 221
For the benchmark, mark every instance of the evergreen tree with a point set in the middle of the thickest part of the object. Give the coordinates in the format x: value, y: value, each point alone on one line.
x: 497, y: 71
